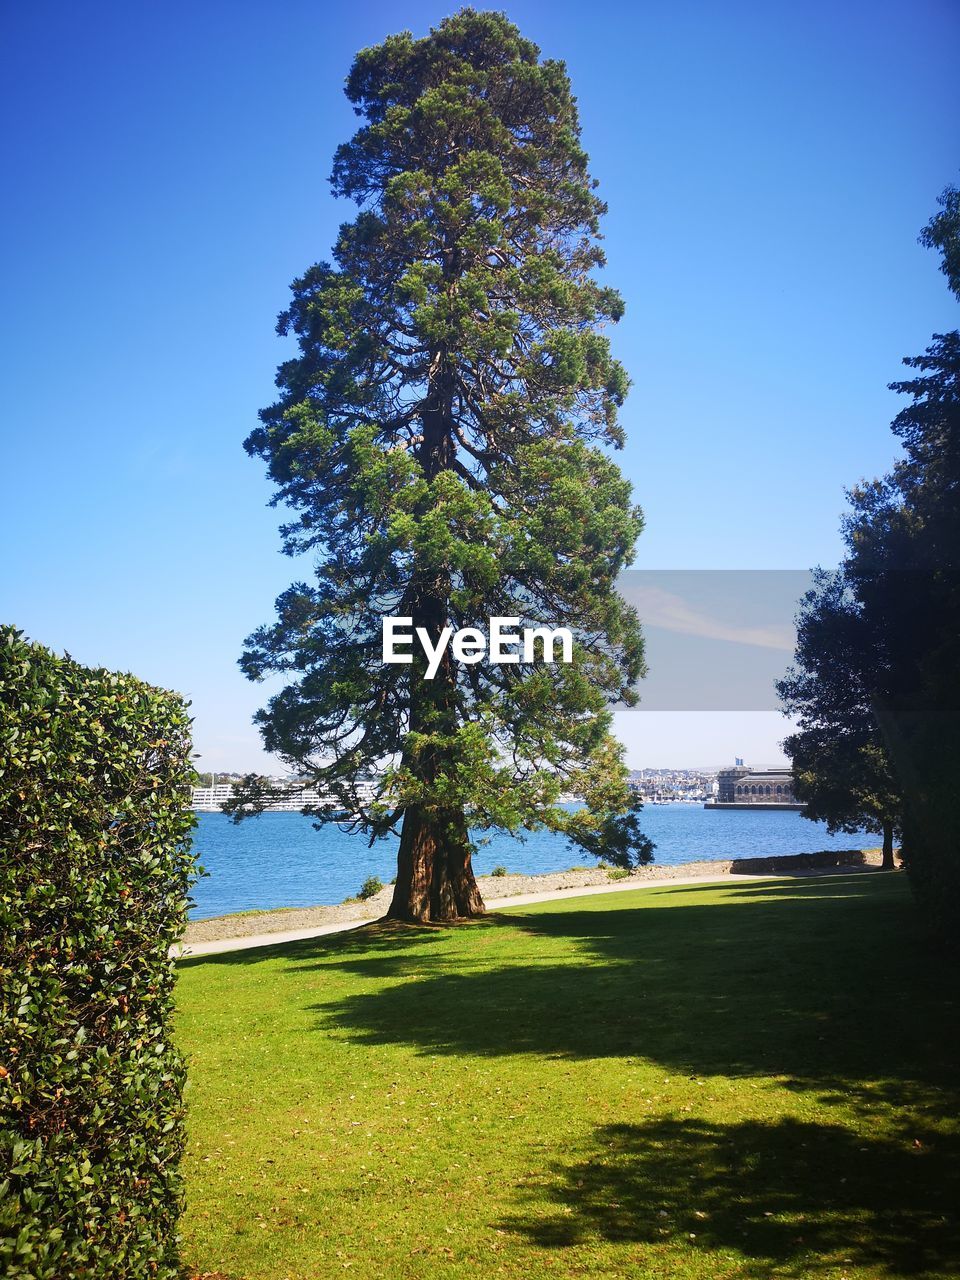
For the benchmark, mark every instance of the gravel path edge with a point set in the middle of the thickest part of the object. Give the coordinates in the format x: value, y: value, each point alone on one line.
x: 220, y: 934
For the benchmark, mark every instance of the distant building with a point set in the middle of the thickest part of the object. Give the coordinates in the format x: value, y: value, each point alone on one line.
x: 767, y: 786
x: 209, y: 799
x: 727, y: 780
x: 743, y: 787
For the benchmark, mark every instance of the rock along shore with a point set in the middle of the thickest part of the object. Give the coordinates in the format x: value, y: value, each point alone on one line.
x: 287, y: 919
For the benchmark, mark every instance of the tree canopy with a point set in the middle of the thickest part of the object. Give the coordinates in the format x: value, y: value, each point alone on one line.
x: 442, y: 436
x: 879, y: 646
x: 903, y: 535
x: 942, y: 232
x: 840, y: 763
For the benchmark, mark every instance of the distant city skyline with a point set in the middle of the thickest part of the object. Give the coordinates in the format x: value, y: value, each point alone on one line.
x: 667, y: 768
x: 767, y: 171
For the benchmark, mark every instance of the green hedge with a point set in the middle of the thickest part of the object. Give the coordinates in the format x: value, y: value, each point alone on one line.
x: 96, y: 865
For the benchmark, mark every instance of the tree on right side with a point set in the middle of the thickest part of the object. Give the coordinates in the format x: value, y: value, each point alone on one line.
x: 903, y: 566
x: 942, y: 232
x: 840, y: 763
x: 893, y: 682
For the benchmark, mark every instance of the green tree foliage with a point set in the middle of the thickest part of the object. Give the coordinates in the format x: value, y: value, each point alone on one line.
x: 840, y: 763
x: 886, y: 636
x: 903, y: 565
x: 443, y: 435
x: 942, y: 232
x: 94, y: 807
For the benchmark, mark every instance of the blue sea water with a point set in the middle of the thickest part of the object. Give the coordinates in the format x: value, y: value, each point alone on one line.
x: 279, y: 860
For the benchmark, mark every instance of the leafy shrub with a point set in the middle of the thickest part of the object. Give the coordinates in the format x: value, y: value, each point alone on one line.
x: 499, y: 871
x: 95, y: 782
x: 617, y: 873
x: 370, y: 888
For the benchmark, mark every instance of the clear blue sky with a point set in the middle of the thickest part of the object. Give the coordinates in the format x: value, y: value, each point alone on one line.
x: 767, y: 167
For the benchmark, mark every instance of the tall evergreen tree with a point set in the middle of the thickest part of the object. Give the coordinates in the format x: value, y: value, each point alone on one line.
x: 443, y: 437
x: 840, y: 762
x: 903, y: 565
x: 881, y: 643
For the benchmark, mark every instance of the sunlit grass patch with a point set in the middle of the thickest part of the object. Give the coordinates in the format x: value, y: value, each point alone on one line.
x: 749, y: 1080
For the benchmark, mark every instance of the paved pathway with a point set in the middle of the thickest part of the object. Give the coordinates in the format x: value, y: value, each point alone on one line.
x: 223, y: 945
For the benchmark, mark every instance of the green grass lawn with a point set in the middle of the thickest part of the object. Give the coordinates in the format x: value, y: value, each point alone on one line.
x: 750, y: 1080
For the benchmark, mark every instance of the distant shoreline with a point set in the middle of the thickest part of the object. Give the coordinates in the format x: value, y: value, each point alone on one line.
x: 248, y: 924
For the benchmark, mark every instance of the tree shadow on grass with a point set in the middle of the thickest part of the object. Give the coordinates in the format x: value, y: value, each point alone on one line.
x: 820, y: 985
x: 842, y: 881
x: 826, y: 986
x: 801, y: 1197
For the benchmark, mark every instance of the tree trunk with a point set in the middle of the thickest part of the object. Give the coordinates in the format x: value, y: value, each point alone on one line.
x: 454, y: 891
x: 435, y: 879
x: 887, y: 864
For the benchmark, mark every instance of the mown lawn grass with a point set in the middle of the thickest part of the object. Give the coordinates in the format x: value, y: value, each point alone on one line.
x: 750, y: 1080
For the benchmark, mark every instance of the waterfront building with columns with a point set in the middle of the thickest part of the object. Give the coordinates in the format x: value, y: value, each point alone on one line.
x: 740, y: 787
